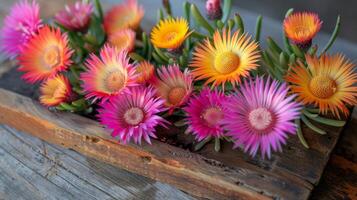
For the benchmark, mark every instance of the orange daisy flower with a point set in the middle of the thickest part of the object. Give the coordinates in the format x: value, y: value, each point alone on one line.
x: 145, y: 71
x: 227, y: 59
x: 123, y: 40
x: 301, y: 27
x: 126, y: 15
x: 45, y: 54
x: 55, y: 91
x: 326, y: 82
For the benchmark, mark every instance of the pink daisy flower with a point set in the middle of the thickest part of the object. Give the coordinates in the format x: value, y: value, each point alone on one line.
x: 174, y: 86
x: 261, y: 116
x: 133, y: 116
x: 75, y: 17
x: 205, y: 114
x: 108, y: 75
x: 19, y: 26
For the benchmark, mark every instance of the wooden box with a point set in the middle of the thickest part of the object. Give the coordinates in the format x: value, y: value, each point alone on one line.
x: 229, y: 174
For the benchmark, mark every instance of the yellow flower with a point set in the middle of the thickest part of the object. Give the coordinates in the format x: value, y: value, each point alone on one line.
x: 227, y: 59
x: 302, y: 27
x: 170, y: 33
x: 55, y: 91
x: 326, y: 82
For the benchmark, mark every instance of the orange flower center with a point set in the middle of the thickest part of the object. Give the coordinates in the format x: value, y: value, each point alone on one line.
x: 323, y: 87
x: 226, y: 62
x: 170, y: 36
x: 51, y: 57
x: 212, y: 116
x: 176, y: 95
x: 114, y: 81
x: 260, y: 119
x: 134, y: 116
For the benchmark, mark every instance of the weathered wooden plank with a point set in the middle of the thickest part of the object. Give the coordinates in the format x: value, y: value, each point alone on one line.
x: 117, y: 183
x: 30, y: 181
x: 196, y: 174
x: 339, y: 181
x: 51, y: 170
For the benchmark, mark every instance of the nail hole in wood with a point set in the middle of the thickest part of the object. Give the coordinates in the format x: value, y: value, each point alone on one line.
x: 146, y: 159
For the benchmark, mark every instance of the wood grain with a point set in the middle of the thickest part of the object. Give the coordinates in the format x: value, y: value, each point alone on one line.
x: 201, y: 176
x: 69, y: 175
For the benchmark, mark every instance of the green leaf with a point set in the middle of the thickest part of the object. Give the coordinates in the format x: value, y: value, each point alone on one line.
x: 238, y: 20
x: 297, y: 51
x: 330, y: 122
x: 274, y: 46
x: 67, y: 107
x: 161, y: 54
x: 311, y: 126
x: 227, y: 8
x: 286, y: 39
x: 217, y: 144
x: 198, y: 35
x: 167, y: 6
x: 200, y: 20
x: 136, y: 57
x: 158, y: 59
x: 312, y: 51
x: 219, y: 24
x: 186, y: 8
x: 160, y: 15
x: 300, y: 135
x: 145, y: 43
x: 284, y: 62
x: 333, y: 36
x: 199, y: 145
x: 230, y: 24
x: 99, y: 9
x: 258, y: 28
x: 308, y: 114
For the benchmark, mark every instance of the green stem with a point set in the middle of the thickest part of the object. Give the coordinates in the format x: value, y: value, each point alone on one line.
x: 99, y: 9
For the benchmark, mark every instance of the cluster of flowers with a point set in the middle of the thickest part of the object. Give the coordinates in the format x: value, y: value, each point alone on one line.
x: 213, y: 76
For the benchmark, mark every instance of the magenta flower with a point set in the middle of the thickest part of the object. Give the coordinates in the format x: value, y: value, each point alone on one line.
x: 19, y: 26
x: 261, y: 116
x: 75, y: 17
x: 205, y: 114
x: 134, y: 115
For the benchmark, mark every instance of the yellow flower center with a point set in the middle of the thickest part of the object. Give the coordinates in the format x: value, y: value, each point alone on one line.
x: 226, y: 62
x: 323, y: 87
x: 176, y: 95
x: 212, y: 116
x: 302, y: 30
x: 51, y: 57
x: 114, y: 81
x: 170, y: 36
x: 134, y: 116
x: 260, y: 119
x: 58, y: 92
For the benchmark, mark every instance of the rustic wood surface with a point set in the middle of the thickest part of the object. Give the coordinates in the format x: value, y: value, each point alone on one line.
x: 34, y: 169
